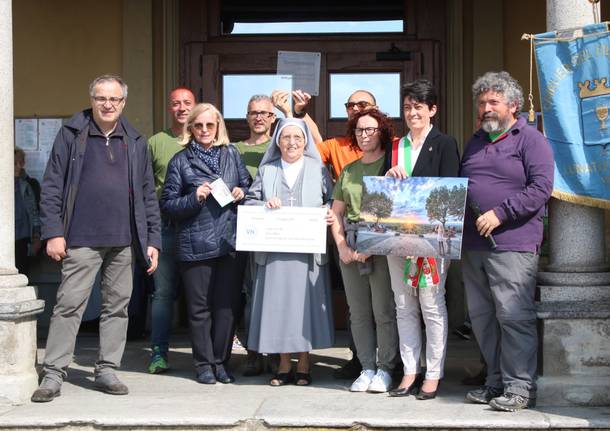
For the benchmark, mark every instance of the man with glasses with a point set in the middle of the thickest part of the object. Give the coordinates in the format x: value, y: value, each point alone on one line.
x: 163, y: 146
x: 98, y: 204
x: 260, y: 118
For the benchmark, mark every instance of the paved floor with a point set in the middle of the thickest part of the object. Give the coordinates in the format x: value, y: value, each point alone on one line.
x: 175, y: 400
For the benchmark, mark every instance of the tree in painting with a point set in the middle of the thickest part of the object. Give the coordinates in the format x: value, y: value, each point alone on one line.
x: 443, y: 203
x: 377, y: 204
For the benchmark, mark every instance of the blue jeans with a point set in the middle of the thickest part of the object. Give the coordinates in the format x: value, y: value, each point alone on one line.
x: 165, y: 292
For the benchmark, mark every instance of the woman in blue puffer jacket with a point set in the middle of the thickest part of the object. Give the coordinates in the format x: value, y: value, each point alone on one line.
x: 210, y: 268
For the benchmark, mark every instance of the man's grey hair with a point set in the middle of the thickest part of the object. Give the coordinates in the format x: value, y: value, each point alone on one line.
x: 108, y: 78
x: 499, y: 82
x: 259, y: 98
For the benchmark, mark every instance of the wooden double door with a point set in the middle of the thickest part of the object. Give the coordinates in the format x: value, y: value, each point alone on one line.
x: 205, y: 63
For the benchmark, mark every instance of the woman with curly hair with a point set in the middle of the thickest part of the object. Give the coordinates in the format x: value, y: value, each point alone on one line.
x: 366, y: 278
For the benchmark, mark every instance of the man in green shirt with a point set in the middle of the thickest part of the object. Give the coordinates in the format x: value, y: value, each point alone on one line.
x: 260, y: 118
x: 163, y: 146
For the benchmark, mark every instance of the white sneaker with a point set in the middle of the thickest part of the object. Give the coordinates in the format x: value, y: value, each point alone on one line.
x: 362, y: 383
x: 381, y: 382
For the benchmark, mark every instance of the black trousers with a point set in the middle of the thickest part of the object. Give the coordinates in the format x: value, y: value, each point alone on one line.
x: 212, y: 289
x: 21, y: 255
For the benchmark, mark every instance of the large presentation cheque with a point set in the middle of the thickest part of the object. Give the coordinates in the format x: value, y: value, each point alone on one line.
x: 288, y: 230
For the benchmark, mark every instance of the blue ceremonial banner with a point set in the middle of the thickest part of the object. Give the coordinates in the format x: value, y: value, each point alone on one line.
x: 574, y: 76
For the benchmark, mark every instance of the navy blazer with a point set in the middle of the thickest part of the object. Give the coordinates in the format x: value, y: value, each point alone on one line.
x: 439, y: 157
x: 205, y: 230
x: 62, y: 178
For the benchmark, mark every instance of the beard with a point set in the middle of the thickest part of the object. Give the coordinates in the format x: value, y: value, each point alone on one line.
x: 493, y: 123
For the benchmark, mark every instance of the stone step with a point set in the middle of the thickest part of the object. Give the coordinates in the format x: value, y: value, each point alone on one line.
x: 574, y: 293
x: 574, y: 278
x: 175, y: 401
x: 573, y: 310
x: 574, y: 390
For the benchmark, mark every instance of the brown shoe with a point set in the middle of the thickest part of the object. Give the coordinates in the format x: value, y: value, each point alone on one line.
x: 48, y: 390
x: 109, y: 383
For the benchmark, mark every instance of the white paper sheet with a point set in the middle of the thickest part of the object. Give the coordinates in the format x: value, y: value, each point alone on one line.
x: 47, y: 131
x: 304, y: 68
x: 221, y: 192
x: 26, y: 133
x: 287, y: 229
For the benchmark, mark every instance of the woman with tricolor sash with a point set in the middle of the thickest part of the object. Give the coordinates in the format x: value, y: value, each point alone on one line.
x: 418, y: 282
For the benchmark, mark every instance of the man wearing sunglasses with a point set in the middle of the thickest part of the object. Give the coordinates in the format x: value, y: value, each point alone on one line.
x: 337, y: 153
x: 340, y: 151
x: 98, y: 212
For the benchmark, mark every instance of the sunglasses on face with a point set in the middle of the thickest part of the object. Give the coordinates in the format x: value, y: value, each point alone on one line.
x: 208, y: 126
x: 361, y: 104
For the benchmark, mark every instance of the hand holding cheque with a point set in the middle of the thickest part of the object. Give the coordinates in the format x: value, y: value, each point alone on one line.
x: 273, y: 228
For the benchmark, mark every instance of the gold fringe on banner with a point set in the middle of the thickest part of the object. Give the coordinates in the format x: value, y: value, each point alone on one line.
x: 564, y: 196
x: 581, y: 200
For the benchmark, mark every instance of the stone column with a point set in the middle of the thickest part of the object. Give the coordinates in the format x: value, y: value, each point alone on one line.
x: 18, y: 303
x: 574, y: 306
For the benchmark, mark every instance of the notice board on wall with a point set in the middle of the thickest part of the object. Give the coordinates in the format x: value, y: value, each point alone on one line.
x: 35, y: 136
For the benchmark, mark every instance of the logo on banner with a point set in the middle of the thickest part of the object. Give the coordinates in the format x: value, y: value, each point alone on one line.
x: 595, y: 102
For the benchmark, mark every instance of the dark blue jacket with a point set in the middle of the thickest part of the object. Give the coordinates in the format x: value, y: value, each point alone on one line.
x: 62, y: 176
x: 204, y: 229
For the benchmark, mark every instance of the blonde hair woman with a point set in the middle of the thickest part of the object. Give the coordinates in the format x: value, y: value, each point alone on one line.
x: 210, y: 268
x: 221, y: 137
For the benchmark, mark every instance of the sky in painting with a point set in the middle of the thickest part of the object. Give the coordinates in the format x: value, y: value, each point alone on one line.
x: 410, y: 195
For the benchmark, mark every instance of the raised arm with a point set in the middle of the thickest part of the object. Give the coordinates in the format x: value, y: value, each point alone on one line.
x: 300, y: 101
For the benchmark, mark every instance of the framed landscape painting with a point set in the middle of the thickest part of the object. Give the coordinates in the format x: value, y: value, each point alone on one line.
x: 417, y: 216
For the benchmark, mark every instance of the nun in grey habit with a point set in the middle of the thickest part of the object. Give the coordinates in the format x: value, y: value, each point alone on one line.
x: 291, y: 303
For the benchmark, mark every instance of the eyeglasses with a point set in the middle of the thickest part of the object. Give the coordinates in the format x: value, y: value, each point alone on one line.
x: 114, y: 101
x: 368, y: 131
x: 362, y: 104
x: 208, y: 126
x: 287, y: 139
x: 263, y: 114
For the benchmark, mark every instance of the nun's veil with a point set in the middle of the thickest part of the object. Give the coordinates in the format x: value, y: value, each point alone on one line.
x: 273, y: 151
